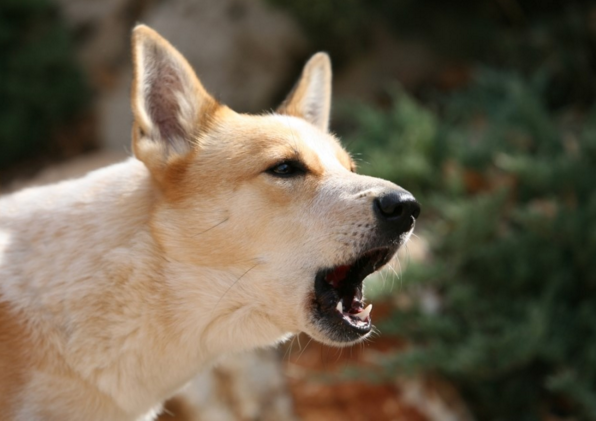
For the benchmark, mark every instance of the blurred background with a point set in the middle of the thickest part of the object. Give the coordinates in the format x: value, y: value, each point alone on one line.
x: 484, y: 110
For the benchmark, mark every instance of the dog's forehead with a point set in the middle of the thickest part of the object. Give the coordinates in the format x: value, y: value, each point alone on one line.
x: 254, y: 142
x: 308, y: 142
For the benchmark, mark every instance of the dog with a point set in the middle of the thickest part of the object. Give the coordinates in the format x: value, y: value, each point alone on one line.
x: 225, y: 232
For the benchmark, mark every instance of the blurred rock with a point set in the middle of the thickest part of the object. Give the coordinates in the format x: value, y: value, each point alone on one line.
x: 243, y: 52
x: 102, y: 35
x: 436, y: 399
x: 250, y: 386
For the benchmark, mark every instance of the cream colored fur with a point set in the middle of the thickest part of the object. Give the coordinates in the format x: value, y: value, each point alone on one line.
x: 117, y: 288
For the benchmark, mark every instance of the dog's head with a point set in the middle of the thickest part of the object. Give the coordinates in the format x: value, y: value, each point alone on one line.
x: 272, y: 201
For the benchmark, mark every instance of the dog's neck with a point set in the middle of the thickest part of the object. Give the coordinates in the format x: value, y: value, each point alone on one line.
x: 191, y: 331
x: 136, y: 339
x: 194, y: 317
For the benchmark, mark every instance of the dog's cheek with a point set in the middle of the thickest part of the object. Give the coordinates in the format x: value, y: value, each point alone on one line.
x: 272, y: 218
x: 281, y: 288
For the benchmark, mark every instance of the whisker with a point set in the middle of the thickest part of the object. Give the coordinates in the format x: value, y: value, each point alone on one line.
x: 390, y: 266
x: 214, y: 226
x: 167, y: 412
x: 288, y: 352
x: 341, y: 350
x: 393, y: 278
x: 306, y: 346
x: 400, y: 271
x: 234, y: 283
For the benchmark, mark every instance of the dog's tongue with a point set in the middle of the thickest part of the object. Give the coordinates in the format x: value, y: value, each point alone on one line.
x: 338, y: 275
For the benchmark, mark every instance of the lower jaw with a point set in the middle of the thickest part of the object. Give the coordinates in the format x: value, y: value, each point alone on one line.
x: 339, y: 342
x: 337, y: 332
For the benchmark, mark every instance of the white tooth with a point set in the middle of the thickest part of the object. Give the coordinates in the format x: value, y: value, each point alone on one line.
x: 363, y: 315
x: 340, y: 307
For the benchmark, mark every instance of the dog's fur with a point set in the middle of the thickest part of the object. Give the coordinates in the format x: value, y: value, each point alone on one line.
x: 115, y: 289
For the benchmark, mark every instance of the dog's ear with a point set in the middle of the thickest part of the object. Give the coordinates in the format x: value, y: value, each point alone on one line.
x: 170, y: 105
x: 311, y: 97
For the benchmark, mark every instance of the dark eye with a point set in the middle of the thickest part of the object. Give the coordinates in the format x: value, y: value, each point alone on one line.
x: 286, y: 169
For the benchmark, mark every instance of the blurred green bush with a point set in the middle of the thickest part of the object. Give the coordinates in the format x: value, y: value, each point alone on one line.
x: 504, y: 172
x: 509, y: 206
x: 41, y: 85
x: 557, y: 37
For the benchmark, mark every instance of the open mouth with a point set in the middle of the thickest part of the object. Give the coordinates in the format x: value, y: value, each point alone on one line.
x: 338, y: 303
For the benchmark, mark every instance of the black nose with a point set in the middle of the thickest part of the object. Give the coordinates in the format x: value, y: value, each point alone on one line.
x: 397, y: 207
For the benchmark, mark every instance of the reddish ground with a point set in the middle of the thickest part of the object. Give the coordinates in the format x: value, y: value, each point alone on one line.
x: 320, y: 392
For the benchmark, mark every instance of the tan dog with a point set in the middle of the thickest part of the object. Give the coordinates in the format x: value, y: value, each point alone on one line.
x: 226, y: 232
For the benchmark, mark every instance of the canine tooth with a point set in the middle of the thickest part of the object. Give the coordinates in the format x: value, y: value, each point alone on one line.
x: 363, y: 315
x: 340, y: 307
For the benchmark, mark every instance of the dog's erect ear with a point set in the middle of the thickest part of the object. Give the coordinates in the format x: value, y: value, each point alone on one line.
x: 311, y: 97
x: 169, y: 103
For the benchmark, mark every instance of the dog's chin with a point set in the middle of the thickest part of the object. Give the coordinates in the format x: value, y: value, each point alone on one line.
x: 338, y: 315
x: 326, y: 337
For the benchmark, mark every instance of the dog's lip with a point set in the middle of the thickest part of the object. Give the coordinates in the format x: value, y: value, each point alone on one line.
x: 338, y: 294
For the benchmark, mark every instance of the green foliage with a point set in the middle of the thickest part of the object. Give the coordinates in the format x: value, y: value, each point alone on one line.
x: 40, y: 84
x: 509, y: 204
x: 504, y: 173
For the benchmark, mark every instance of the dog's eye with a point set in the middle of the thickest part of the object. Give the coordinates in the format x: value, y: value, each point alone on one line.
x: 286, y: 169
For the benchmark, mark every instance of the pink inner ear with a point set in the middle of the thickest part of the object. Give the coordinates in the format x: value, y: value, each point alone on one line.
x: 164, y: 82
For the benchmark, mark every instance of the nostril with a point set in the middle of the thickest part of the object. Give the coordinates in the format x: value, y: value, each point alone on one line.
x: 389, y: 206
x: 397, y: 206
x: 416, y: 210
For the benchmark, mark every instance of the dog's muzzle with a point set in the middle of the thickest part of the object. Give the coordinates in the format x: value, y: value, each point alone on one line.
x: 337, y: 307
